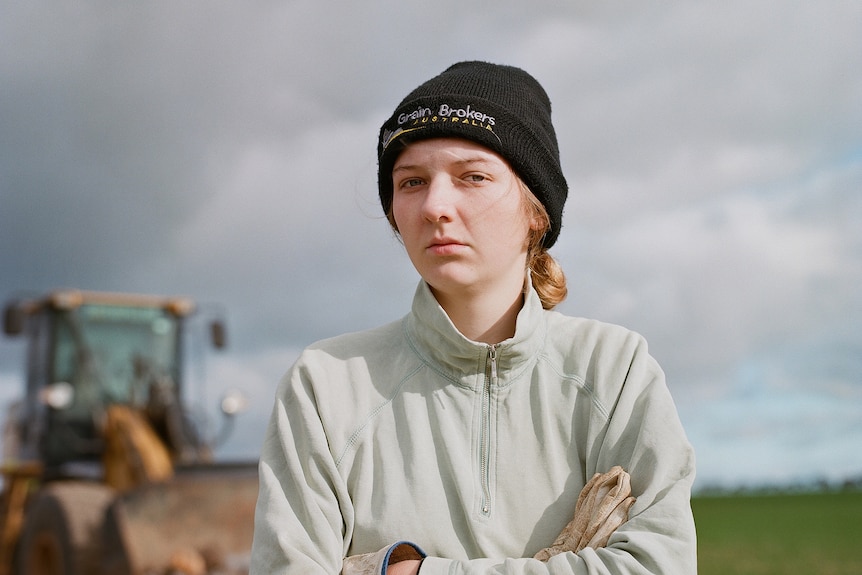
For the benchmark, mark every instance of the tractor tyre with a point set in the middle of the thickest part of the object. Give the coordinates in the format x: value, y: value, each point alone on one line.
x: 62, y: 531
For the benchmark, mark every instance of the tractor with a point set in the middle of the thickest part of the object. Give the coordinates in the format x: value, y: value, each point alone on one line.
x: 106, y: 470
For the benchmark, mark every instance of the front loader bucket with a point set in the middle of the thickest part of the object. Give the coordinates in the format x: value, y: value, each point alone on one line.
x: 201, y: 516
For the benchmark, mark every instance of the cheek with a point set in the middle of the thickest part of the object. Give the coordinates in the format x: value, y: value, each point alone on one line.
x: 403, y: 220
x: 513, y: 231
x: 397, y: 216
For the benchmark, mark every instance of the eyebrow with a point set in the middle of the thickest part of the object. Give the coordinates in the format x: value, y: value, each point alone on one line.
x: 460, y: 162
x: 403, y: 168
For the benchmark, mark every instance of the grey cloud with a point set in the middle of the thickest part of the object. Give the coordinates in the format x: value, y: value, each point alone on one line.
x: 227, y: 152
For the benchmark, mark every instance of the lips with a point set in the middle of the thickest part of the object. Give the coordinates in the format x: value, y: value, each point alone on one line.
x: 445, y: 246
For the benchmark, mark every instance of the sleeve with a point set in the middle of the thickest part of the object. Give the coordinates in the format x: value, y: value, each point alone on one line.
x: 643, y: 434
x: 378, y: 563
x: 302, y: 509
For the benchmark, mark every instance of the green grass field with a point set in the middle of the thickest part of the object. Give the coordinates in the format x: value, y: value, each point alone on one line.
x: 816, y: 534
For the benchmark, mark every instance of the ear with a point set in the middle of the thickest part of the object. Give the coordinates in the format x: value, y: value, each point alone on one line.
x: 536, y: 224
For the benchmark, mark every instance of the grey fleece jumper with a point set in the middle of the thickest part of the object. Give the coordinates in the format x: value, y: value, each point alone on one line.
x: 474, y: 453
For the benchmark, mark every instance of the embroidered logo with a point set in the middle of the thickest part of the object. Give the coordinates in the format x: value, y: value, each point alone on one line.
x: 423, y: 116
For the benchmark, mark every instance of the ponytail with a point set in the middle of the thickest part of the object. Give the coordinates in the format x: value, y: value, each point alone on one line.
x: 547, y: 275
x: 549, y: 281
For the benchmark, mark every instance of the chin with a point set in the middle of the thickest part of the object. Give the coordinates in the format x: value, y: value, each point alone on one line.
x: 449, y: 284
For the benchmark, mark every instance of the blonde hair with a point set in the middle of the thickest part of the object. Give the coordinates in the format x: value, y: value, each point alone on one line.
x: 549, y: 281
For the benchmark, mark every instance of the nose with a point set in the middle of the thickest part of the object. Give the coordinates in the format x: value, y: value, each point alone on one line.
x: 439, y: 200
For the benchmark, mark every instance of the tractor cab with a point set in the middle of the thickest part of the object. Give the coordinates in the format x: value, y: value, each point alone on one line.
x: 89, y: 351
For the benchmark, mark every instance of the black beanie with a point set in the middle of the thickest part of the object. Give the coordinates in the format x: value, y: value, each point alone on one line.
x: 500, y: 107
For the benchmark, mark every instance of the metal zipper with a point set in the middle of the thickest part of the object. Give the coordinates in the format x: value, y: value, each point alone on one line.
x: 485, y: 448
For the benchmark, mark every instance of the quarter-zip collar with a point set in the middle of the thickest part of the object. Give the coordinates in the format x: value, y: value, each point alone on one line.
x: 440, y: 345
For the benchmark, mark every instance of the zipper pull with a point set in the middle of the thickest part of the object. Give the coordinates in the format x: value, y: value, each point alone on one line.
x: 492, y: 356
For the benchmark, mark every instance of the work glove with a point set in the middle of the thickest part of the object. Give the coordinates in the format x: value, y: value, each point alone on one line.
x: 372, y: 563
x: 602, y: 506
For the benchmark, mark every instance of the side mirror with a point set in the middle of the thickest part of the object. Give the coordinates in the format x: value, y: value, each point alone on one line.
x: 233, y: 402
x: 218, y: 334
x: 57, y: 395
x: 13, y: 319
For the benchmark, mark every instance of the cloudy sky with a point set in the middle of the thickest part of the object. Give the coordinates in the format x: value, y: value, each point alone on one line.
x: 227, y: 151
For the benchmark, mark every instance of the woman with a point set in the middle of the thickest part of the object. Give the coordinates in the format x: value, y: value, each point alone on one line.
x: 458, y: 439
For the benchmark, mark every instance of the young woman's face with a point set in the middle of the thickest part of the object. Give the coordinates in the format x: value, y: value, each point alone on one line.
x: 460, y: 213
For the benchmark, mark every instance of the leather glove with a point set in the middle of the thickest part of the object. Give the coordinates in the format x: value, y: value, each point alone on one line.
x: 602, y: 506
x: 372, y: 563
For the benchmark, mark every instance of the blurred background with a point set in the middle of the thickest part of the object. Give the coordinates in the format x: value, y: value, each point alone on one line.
x: 225, y: 152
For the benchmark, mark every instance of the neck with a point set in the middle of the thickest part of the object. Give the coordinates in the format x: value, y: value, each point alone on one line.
x: 485, y: 318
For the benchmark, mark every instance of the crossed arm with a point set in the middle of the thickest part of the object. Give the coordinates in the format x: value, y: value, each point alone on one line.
x: 603, y: 505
